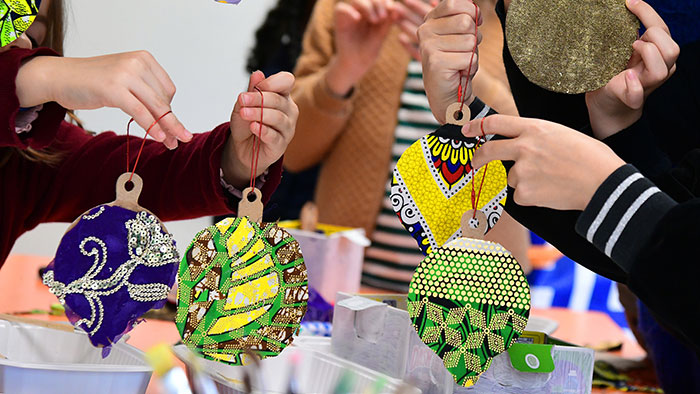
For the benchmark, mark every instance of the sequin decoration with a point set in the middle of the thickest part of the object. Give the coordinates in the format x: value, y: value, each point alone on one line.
x: 570, y: 46
x: 433, y: 180
x: 241, y: 286
x: 469, y: 301
x: 15, y: 18
x: 113, y: 266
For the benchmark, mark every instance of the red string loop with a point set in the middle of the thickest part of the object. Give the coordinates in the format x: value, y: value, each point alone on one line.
x: 138, y: 155
x: 475, y: 197
x: 461, y: 93
x: 256, y: 141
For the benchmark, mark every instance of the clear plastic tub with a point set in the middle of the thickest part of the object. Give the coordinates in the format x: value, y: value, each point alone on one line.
x: 42, y: 360
x: 318, y: 371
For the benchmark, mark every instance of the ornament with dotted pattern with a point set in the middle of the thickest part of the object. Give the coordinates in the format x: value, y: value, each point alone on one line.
x: 469, y: 301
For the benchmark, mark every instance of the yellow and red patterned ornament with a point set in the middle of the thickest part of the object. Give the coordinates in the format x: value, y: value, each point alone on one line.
x: 434, y: 178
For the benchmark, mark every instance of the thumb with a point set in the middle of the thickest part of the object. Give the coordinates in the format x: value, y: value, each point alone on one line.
x: 255, y: 78
x: 634, y: 92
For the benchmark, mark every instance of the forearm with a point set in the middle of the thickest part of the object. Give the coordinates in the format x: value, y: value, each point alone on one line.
x: 178, y: 184
x: 33, y: 82
x: 653, y: 238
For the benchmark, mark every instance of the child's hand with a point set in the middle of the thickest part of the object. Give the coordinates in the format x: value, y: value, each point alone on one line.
x: 279, y: 122
x: 133, y: 82
x: 618, y: 104
x: 447, y: 41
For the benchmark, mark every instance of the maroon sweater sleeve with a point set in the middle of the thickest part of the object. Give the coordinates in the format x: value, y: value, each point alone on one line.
x: 45, y: 126
x: 178, y: 184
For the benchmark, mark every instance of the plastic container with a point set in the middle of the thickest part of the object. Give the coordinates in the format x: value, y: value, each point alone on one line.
x: 333, y: 257
x: 318, y: 371
x: 42, y: 360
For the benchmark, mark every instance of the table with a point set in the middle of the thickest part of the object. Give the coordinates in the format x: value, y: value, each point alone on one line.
x: 19, y: 277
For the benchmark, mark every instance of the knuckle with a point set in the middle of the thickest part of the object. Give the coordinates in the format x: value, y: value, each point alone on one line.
x: 170, y: 90
x: 675, y: 50
x: 464, y: 23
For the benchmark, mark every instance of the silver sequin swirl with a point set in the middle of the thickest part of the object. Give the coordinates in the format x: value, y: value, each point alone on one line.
x: 147, y: 245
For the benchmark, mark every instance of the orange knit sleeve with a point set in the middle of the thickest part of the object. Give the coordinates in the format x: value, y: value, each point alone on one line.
x: 322, y: 115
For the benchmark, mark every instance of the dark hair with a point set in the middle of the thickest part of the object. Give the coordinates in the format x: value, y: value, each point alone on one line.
x: 278, y: 40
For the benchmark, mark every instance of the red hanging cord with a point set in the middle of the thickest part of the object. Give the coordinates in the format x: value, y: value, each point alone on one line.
x: 475, y: 197
x: 461, y: 97
x: 461, y: 93
x: 256, y: 141
x: 138, y: 155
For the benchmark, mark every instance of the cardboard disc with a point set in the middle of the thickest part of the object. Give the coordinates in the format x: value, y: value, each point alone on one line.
x: 570, y: 46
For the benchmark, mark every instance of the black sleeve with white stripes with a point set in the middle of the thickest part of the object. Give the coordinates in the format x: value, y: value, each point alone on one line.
x: 623, y: 215
x: 479, y: 109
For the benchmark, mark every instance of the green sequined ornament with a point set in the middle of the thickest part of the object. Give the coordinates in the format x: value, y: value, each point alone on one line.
x: 15, y: 18
x: 469, y: 301
x: 242, y: 286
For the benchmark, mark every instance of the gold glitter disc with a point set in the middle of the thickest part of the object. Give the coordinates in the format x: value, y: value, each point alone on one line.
x: 570, y: 46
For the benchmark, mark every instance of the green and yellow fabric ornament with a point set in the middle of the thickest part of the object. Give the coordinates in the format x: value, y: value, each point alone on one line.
x: 469, y: 301
x: 15, y: 18
x: 242, y: 287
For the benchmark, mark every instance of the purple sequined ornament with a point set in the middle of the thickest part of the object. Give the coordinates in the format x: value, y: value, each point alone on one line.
x: 111, y: 267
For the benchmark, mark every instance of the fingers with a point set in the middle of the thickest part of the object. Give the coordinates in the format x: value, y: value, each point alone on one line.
x: 381, y: 9
x: 374, y: 11
x: 159, y: 73
x: 410, y: 46
x: 269, y: 136
x: 410, y: 30
x: 345, y: 16
x: 268, y: 99
x: 452, y: 24
x: 505, y: 125
x: 168, y: 125
x: 461, y: 43
x: 668, y: 48
x: 452, y: 61
x: 655, y: 69
x: 255, y: 78
x: 281, y: 83
x: 495, y: 150
x: 414, y: 10
x: 272, y: 117
x: 455, y: 7
x: 646, y: 15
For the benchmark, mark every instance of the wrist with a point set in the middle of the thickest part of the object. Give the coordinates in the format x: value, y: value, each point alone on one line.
x: 236, y: 173
x: 603, y: 126
x: 341, y: 77
x: 600, y: 173
x: 609, y: 116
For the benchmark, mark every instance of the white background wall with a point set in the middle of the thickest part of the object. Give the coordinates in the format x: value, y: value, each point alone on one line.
x: 202, y: 44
